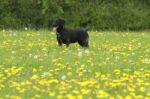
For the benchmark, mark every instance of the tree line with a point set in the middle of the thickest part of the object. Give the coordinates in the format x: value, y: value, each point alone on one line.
x: 96, y: 14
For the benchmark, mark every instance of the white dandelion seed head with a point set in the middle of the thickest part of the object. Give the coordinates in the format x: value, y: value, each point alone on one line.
x: 110, y: 50
x: 148, y: 50
x: 107, y: 58
x: 25, y: 28
x: 117, y: 57
x: 133, y: 53
x: 64, y: 77
x: 3, y: 30
x: 84, y: 71
x: 87, y: 51
x: 80, y: 54
x: 13, y: 52
x: 30, y: 54
x: 35, y: 56
x: 45, y: 74
x: 79, y: 49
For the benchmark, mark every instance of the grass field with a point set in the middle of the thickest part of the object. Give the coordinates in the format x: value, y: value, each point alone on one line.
x: 116, y: 66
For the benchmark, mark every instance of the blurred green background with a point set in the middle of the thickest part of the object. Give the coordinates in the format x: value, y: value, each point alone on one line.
x: 96, y: 14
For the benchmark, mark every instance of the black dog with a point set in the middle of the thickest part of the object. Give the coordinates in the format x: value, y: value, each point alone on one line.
x: 67, y: 36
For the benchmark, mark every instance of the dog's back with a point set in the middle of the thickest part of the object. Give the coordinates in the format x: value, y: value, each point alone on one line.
x: 75, y: 34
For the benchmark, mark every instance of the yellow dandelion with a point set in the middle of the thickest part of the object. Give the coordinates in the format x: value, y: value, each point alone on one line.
x: 52, y: 94
x: 85, y: 91
x: 70, y: 96
x: 34, y: 77
x: 128, y: 97
x: 97, y: 74
x: 69, y: 73
x: 37, y: 96
x: 142, y: 89
x: 34, y: 70
x: 79, y: 97
x: 102, y: 94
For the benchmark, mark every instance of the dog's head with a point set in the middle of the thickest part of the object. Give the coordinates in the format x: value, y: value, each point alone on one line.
x: 58, y: 23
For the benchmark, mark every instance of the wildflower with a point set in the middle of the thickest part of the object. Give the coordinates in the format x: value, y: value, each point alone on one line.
x: 110, y: 50
x: 52, y: 94
x: 97, y: 74
x: 87, y: 51
x: 34, y: 70
x: 37, y: 96
x: 60, y: 96
x: 117, y: 57
x: 30, y: 55
x: 102, y: 94
x: 64, y: 77
x: 25, y: 28
x: 3, y: 30
x: 45, y: 74
x: 13, y: 52
x: 84, y: 71
x: 148, y: 50
x: 75, y: 92
x: 79, y: 97
x: 36, y: 88
x: 70, y: 96
x: 69, y: 73
x: 22, y: 90
x: 128, y: 97
x: 79, y: 49
x: 85, y: 91
x: 15, y: 97
x: 142, y: 89
x: 34, y: 77
x: 146, y: 61
x: 80, y: 54
x: 36, y: 56
x: 117, y: 71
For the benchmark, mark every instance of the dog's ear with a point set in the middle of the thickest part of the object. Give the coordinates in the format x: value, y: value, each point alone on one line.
x: 61, y: 21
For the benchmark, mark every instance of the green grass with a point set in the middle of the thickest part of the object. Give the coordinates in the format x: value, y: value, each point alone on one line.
x: 32, y: 66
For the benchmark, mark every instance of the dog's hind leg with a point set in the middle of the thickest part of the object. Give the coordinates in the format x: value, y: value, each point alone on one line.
x: 86, y: 43
x: 67, y: 43
x: 83, y: 43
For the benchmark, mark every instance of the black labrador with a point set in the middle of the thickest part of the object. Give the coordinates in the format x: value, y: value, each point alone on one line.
x: 67, y: 36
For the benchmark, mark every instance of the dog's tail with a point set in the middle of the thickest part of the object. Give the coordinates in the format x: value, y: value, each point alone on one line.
x: 86, y: 29
x: 86, y: 24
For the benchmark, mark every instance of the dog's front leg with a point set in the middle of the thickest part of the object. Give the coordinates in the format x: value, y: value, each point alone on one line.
x: 59, y: 41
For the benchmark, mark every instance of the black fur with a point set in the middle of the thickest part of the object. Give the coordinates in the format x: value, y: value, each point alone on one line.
x: 67, y: 36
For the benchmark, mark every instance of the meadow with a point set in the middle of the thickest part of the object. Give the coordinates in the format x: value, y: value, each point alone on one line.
x: 115, y: 66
